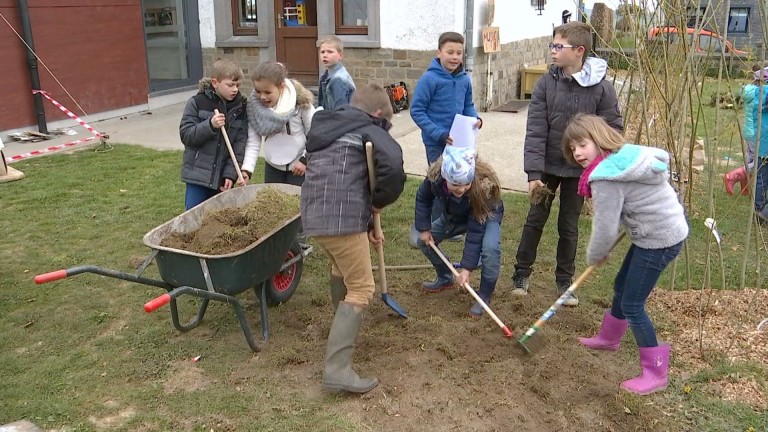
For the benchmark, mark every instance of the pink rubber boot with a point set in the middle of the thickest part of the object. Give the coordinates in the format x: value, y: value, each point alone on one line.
x: 609, y: 337
x: 737, y: 175
x: 654, y: 362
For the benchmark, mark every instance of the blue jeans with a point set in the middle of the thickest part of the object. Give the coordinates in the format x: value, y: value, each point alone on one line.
x: 196, y: 194
x: 761, y: 184
x: 490, y: 251
x: 638, y: 275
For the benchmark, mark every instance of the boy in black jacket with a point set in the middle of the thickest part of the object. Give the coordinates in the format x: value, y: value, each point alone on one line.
x: 207, y: 168
x: 575, y: 83
x: 337, y: 208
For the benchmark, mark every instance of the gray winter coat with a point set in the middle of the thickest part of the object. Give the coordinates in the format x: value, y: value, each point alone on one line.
x: 554, y: 101
x: 206, y: 159
x: 631, y: 188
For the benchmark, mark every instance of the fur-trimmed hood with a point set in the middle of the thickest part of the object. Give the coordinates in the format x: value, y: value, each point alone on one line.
x: 304, y: 97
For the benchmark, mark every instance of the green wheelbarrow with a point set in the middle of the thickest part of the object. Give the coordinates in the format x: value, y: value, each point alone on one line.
x: 271, y: 266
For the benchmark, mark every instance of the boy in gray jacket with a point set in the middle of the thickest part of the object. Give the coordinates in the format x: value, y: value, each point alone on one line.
x: 337, y: 208
x: 574, y: 84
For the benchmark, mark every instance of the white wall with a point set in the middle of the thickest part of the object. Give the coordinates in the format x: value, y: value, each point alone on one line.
x: 207, y: 23
x: 417, y: 24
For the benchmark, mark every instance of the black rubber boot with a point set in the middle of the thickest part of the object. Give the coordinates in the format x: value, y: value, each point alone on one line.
x: 338, y: 375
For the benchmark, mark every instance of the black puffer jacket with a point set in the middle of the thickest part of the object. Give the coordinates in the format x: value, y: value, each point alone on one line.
x: 555, y: 100
x: 335, y: 196
x: 206, y: 159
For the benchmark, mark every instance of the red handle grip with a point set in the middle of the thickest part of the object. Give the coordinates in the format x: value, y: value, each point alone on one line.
x: 50, y: 277
x: 157, y: 303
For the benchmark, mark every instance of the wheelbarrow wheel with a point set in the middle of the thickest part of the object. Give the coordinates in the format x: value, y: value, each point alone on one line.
x: 281, y: 286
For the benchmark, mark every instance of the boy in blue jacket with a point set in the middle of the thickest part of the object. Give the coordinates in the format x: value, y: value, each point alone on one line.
x: 442, y: 92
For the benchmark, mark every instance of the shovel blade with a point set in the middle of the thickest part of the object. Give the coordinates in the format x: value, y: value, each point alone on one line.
x: 389, y: 301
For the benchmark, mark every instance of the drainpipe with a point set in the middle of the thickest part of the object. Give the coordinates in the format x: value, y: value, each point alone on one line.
x: 469, y: 35
x: 34, y: 76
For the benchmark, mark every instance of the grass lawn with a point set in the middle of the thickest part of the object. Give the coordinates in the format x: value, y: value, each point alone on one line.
x: 81, y: 355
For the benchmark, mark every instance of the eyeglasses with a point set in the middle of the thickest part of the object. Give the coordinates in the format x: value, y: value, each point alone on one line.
x: 559, y: 47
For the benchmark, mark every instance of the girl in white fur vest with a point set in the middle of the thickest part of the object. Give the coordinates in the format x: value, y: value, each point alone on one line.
x: 280, y: 112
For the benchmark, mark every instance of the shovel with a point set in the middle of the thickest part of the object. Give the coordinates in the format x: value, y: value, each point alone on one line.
x: 502, y: 326
x: 231, y: 152
x: 553, y: 309
x: 389, y: 301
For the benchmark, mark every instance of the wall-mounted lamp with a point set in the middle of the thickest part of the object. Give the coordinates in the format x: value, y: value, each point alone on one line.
x: 539, y: 5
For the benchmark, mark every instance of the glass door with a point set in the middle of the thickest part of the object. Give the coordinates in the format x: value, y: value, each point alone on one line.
x: 174, y: 57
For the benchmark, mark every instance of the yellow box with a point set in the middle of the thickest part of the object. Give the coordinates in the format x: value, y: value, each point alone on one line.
x: 529, y: 76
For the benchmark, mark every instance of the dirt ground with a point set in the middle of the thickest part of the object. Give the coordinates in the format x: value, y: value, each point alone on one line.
x: 440, y: 370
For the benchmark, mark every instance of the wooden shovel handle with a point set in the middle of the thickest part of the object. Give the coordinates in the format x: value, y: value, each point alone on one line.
x: 231, y: 152
x: 376, y: 218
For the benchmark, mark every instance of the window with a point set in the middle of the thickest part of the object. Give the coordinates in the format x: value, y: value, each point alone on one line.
x: 244, y: 21
x: 351, y: 17
x: 738, y: 20
x: 693, y: 19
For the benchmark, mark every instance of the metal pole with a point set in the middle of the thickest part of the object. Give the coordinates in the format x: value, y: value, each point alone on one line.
x: 581, y: 16
x: 34, y: 76
x: 469, y: 35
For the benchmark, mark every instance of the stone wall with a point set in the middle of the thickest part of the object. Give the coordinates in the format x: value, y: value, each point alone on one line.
x: 246, y: 58
x: 385, y: 66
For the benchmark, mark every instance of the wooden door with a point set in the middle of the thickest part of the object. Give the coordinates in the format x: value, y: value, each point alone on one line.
x: 296, y: 37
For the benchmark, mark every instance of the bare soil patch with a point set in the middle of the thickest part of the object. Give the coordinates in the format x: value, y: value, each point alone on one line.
x: 229, y: 230
x: 441, y: 370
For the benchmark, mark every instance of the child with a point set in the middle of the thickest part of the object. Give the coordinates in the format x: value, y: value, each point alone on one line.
x: 574, y: 84
x: 761, y: 151
x: 336, y: 85
x: 750, y: 94
x: 279, y: 114
x: 336, y: 209
x: 468, y: 193
x: 629, y: 186
x: 207, y: 167
x: 443, y: 91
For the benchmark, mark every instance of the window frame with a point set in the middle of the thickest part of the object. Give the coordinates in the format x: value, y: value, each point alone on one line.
x: 342, y: 29
x: 746, y: 25
x: 237, y: 30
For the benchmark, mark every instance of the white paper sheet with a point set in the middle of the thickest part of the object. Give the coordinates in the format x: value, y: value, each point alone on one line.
x: 463, y: 132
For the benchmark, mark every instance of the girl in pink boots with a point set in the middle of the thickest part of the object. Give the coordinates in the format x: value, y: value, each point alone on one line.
x: 629, y: 186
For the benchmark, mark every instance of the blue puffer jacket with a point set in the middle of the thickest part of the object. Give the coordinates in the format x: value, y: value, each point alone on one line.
x: 456, y: 214
x: 761, y: 109
x: 438, y: 97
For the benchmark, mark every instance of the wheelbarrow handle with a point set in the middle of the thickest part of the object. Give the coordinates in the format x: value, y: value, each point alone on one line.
x: 157, y: 303
x: 50, y: 276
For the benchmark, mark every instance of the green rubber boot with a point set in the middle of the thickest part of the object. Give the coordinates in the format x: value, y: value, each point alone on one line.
x: 338, y: 375
x: 338, y: 291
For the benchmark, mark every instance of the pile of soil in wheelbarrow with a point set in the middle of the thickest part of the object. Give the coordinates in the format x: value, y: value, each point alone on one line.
x: 231, y: 229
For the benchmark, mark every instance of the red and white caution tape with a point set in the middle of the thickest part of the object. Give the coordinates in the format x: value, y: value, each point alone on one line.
x: 70, y: 114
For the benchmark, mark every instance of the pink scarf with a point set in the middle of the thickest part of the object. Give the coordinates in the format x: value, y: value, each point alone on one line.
x: 584, y: 189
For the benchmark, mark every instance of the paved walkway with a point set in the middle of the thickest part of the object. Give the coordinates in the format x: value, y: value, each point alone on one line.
x: 500, y: 142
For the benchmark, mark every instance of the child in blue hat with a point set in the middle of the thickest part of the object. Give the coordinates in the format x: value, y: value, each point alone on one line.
x: 469, y: 194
